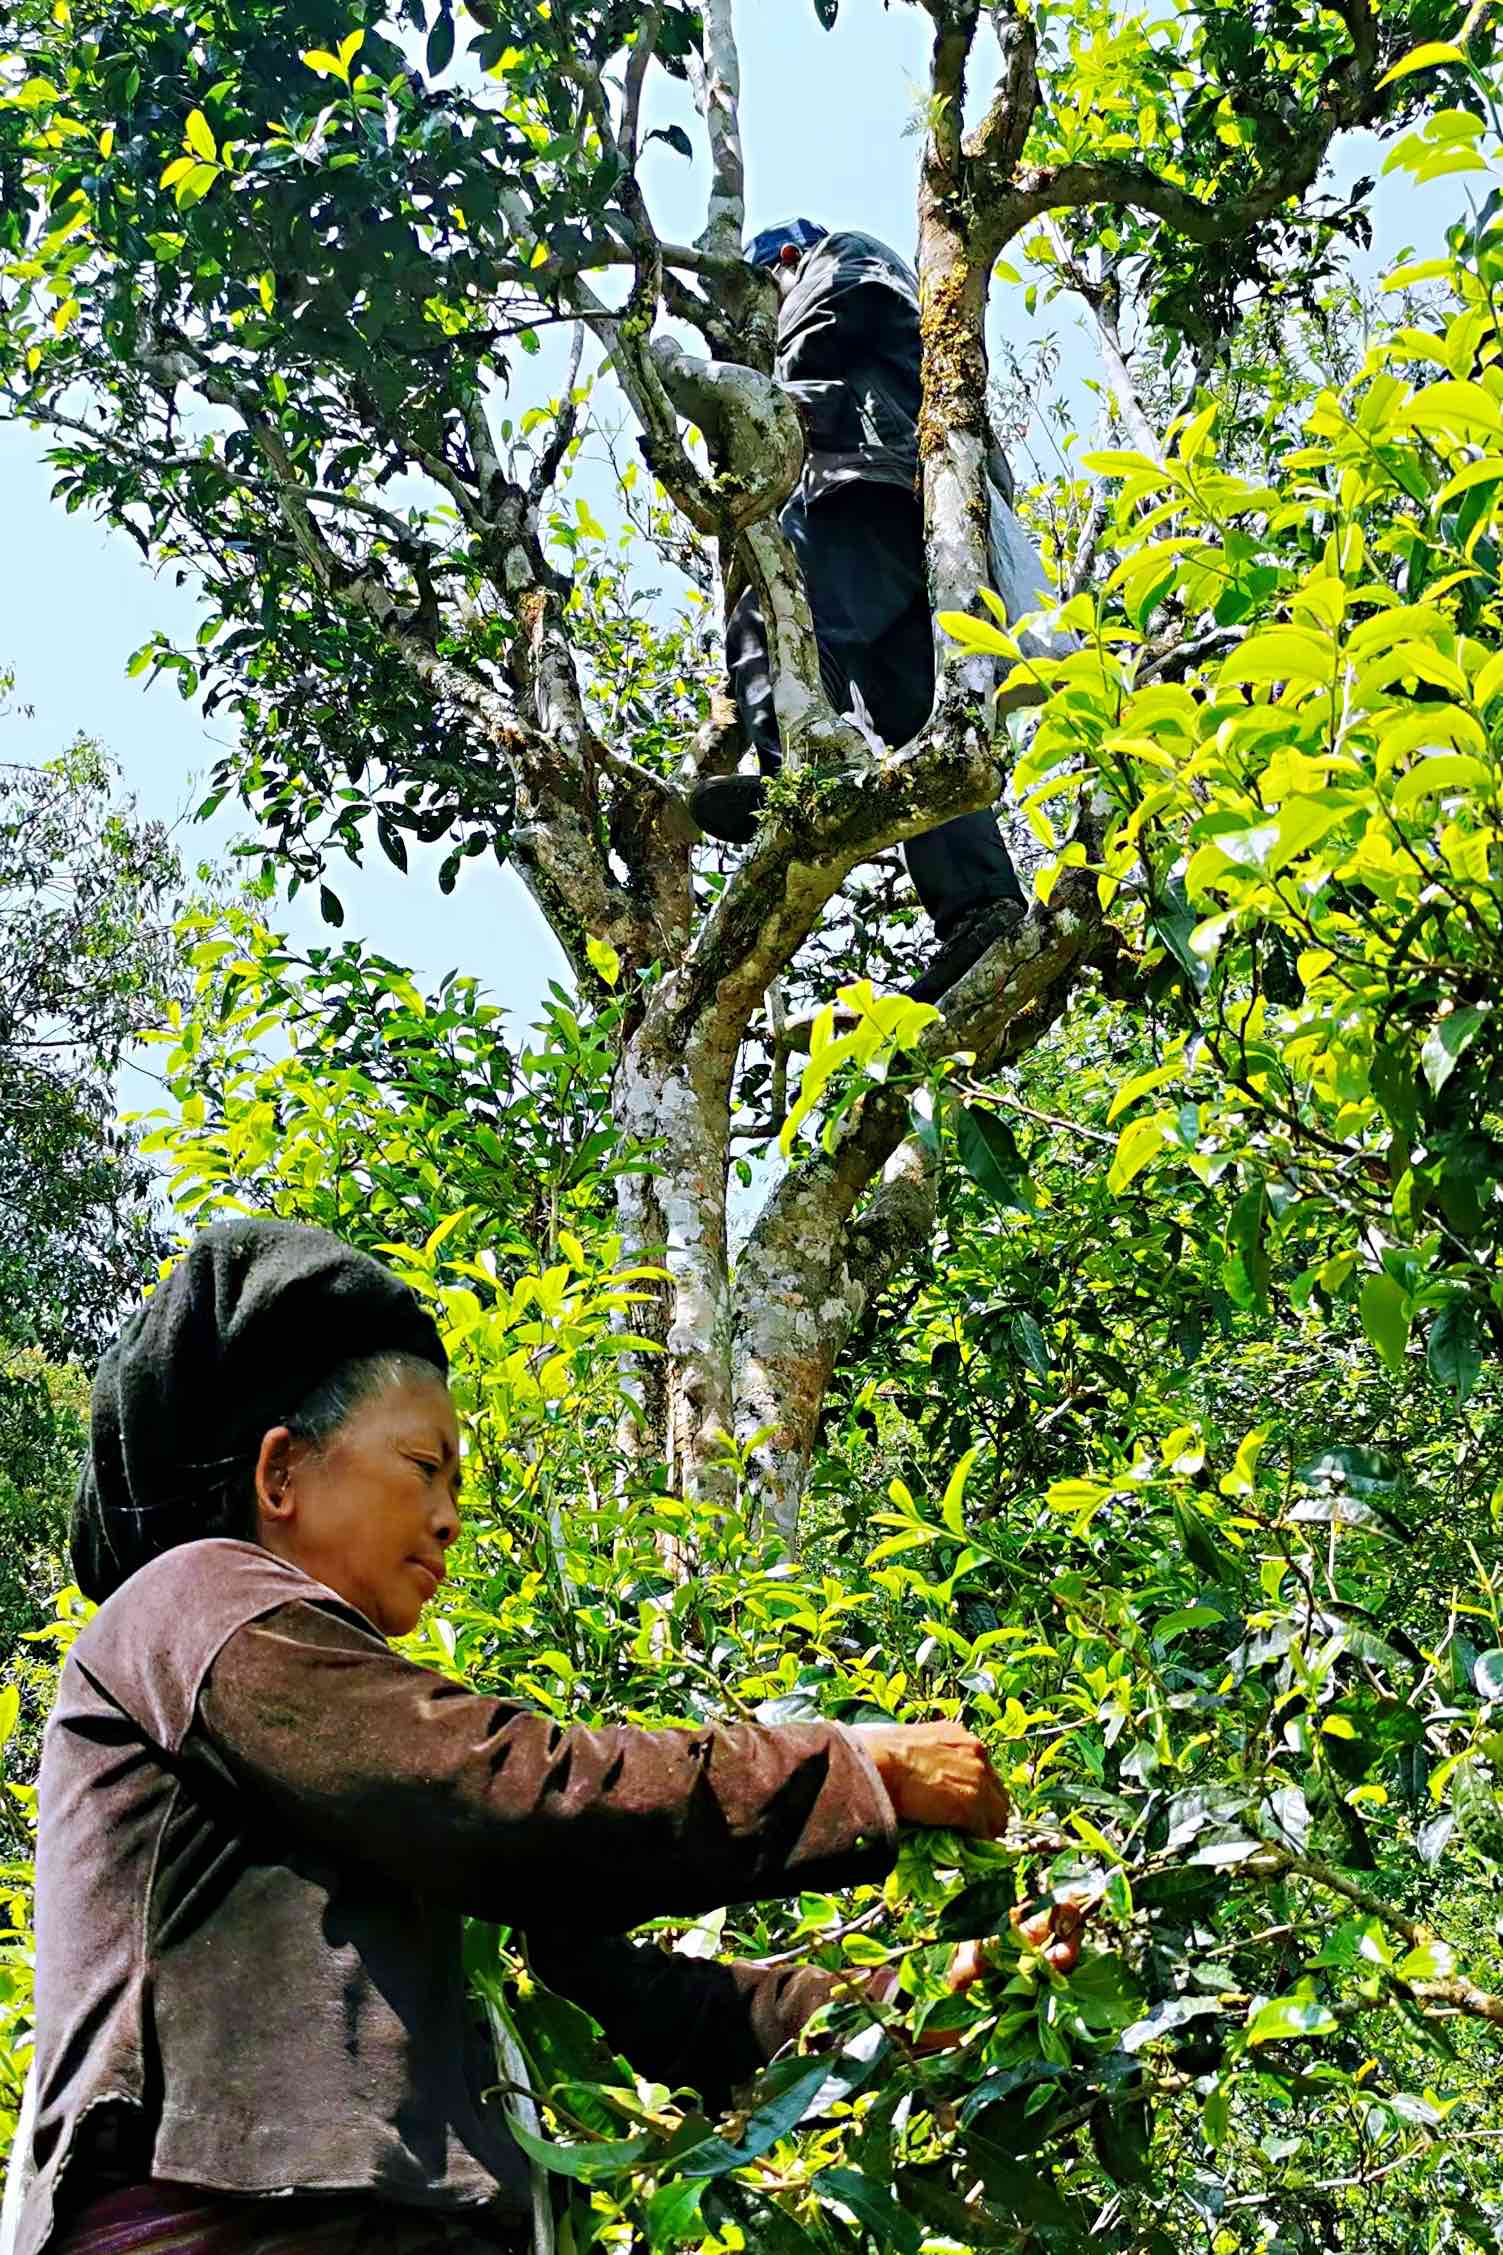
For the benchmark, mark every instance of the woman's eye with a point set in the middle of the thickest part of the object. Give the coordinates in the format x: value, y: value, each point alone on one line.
x: 426, y: 1465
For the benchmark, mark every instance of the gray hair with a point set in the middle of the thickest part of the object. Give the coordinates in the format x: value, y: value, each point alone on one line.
x: 327, y: 1407
x: 316, y: 1420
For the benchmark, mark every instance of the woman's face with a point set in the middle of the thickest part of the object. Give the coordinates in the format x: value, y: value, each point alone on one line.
x: 372, y: 1510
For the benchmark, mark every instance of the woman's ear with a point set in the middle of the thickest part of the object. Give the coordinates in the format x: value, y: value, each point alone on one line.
x: 274, y: 1475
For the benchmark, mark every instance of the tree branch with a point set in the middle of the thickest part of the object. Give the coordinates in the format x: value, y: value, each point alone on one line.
x: 548, y: 463
x: 1350, y: 98
x: 998, y: 142
x: 952, y: 433
x: 756, y: 442
x: 636, y: 74
x: 558, y: 841
x: 716, y: 76
x: 818, y: 833
x: 808, y: 1271
x: 1104, y: 299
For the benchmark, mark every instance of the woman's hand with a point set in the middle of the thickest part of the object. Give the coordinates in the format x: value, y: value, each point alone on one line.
x: 1054, y: 1932
x: 937, y: 1774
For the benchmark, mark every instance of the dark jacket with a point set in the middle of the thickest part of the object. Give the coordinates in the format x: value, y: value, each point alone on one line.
x: 260, y: 1830
x: 849, y: 351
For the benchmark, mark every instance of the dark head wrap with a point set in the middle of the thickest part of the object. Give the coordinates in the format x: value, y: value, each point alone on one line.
x: 253, y: 1317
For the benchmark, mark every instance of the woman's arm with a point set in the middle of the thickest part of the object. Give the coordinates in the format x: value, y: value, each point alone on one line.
x: 512, y: 1817
x: 710, y: 2024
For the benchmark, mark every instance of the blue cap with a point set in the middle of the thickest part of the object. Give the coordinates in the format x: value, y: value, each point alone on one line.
x: 766, y: 248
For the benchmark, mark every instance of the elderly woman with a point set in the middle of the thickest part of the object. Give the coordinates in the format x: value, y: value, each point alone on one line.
x: 261, y: 1828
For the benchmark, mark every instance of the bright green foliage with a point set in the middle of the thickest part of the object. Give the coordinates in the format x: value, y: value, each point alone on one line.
x: 332, y: 1088
x: 87, y: 959
x: 43, y: 1416
x: 1218, y: 100
x: 1243, y: 1688
x: 1307, y: 837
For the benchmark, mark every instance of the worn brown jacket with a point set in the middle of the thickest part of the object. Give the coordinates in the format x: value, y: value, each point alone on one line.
x: 260, y: 1829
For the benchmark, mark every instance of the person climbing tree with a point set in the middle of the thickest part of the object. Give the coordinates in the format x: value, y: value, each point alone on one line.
x: 260, y: 1828
x: 849, y: 353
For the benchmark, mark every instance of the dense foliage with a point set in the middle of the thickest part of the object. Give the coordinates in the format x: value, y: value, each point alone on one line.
x: 1176, y: 1469
x: 87, y: 961
x: 88, y: 894
x: 1219, y: 1603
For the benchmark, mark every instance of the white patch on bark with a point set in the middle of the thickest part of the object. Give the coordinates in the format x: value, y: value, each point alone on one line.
x: 955, y: 488
x: 682, y: 1208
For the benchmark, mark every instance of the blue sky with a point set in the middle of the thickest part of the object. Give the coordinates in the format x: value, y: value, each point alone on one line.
x: 823, y: 118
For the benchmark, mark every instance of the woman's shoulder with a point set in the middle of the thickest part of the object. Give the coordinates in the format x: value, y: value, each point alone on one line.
x: 151, y: 1644
x: 211, y: 1575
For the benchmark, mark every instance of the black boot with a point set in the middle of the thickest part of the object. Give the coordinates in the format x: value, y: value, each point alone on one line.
x: 729, y: 807
x: 966, y: 945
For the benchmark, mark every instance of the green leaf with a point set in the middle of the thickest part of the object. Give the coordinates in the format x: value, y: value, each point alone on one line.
x: 675, y: 136
x: 10, y: 1710
x: 827, y: 11
x: 1442, y: 771
x: 673, y: 2212
x: 796, y: 2087
x: 1428, y: 1961
x: 194, y: 186
x: 1025, y: 2188
x: 1216, y: 2115
x: 1384, y: 1309
x: 1429, y: 57
x: 979, y: 1910
x: 1283, y: 2017
x: 1174, y: 920
x: 975, y: 634
x: 441, y: 42
x: 1447, y: 1042
x: 604, y: 960
x: 1247, y: 1269
x: 1200, y: 1544
x: 875, y: 2207
x: 990, y: 1155
x: 949, y: 2215
x: 331, y: 906
x: 570, y: 2056
x: 604, y: 2157
x: 1122, y: 2136
x: 1453, y: 1352
x: 952, y: 1503
x: 1139, y: 1142
x: 1031, y: 1345
x: 1282, y: 653
x: 199, y: 137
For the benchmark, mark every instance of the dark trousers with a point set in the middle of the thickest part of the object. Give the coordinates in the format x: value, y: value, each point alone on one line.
x: 861, y: 551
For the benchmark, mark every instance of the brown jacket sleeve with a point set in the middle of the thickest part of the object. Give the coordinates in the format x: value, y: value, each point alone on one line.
x: 511, y: 1817
x: 684, y: 2020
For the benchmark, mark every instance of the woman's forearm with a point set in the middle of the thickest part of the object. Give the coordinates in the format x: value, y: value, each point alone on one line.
x: 512, y: 1816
